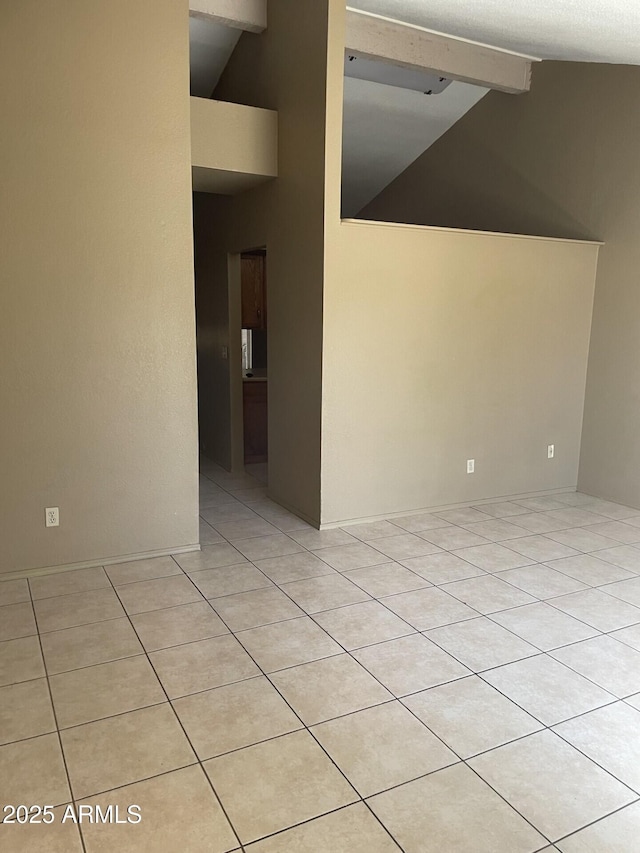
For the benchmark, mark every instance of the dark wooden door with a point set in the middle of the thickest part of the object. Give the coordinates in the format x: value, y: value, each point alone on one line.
x: 254, y: 303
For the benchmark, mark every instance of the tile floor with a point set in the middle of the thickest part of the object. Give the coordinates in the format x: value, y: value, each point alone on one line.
x: 456, y: 681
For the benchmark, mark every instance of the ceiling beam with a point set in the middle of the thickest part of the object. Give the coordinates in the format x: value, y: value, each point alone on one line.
x: 250, y: 15
x: 409, y: 46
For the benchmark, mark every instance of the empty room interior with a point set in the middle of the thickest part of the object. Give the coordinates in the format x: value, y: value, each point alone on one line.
x: 320, y: 506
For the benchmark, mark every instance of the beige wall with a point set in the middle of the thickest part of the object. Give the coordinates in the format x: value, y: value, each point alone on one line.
x: 442, y: 346
x: 233, y: 147
x: 561, y: 160
x: 288, y: 217
x: 97, y: 356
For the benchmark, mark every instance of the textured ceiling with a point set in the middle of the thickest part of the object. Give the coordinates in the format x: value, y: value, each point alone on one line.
x: 577, y: 30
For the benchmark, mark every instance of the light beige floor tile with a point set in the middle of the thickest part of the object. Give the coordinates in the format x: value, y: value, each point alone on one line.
x: 622, y: 532
x: 280, y: 517
x: 589, y: 569
x: 20, y: 660
x: 263, y: 547
x: 237, y: 530
x: 325, y: 593
x: 317, y: 539
x: 452, y: 537
x: 387, y: 579
x: 258, y: 607
x: 464, y: 515
x: 480, y: 643
x: 179, y: 812
x: 25, y: 711
x: 209, y: 557
x: 289, y: 643
x: 158, y: 594
x: 611, y: 510
x: 541, y: 522
x: 207, y: 535
x: 577, y: 516
x: 625, y: 556
x: 628, y: 590
x: 363, y: 624
x: 14, y: 592
x: 442, y: 568
x: 186, y: 623
x: 229, y: 580
x: 613, y: 665
x: 546, y: 689
x: 541, y: 548
x: 541, y: 581
x: 103, y: 690
x: 381, y: 747
x: 581, y: 539
x: 227, y: 509
x: 453, y: 810
x: 303, y: 783
x: 573, y: 498
x: 611, y: 737
x: 497, y: 530
x: 358, y: 556
x: 124, y: 749
x: 617, y: 833
x: 503, y: 509
x: 32, y: 772
x: 551, y: 784
x: 428, y: 608
x: 143, y: 570
x: 65, y: 583
x: 420, y: 522
x: 630, y: 636
x: 81, y: 608
x: 410, y: 664
x: 329, y: 688
x: 87, y: 645
x: 634, y: 701
x: 56, y: 837
x: 353, y: 829
x: 471, y: 716
x: 545, y: 503
x: 16, y: 620
x: 493, y: 557
x: 294, y: 567
x: 598, y: 609
x: 203, y: 665
x: 544, y: 626
x: 373, y: 530
x: 488, y: 594
x: 404, y: 546
x: 235, y: 716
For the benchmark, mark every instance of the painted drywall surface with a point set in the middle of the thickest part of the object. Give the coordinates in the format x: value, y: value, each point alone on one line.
x: 234, y: 137
x: 442, y: 346
x: 97, y: 323
x: 288, y: 217
x: 560, y: 160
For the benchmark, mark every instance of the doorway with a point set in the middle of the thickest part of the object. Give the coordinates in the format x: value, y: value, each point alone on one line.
x: 254, y: 336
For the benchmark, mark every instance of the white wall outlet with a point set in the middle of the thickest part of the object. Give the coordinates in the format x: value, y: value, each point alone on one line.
x: 471, y: 466
x: 551, y: 451
x: 52, y: 516
x: 224, y: 352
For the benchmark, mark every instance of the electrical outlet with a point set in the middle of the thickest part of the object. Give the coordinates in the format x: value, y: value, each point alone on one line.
x: 224, y: 352
x: 551, y: 451
x: 52, y: 516
x: 471, y: 466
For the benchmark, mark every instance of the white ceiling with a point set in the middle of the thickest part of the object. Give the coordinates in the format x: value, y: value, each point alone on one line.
x: 386, y: 128
x: 578, y: 30
x: 211, y: 47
